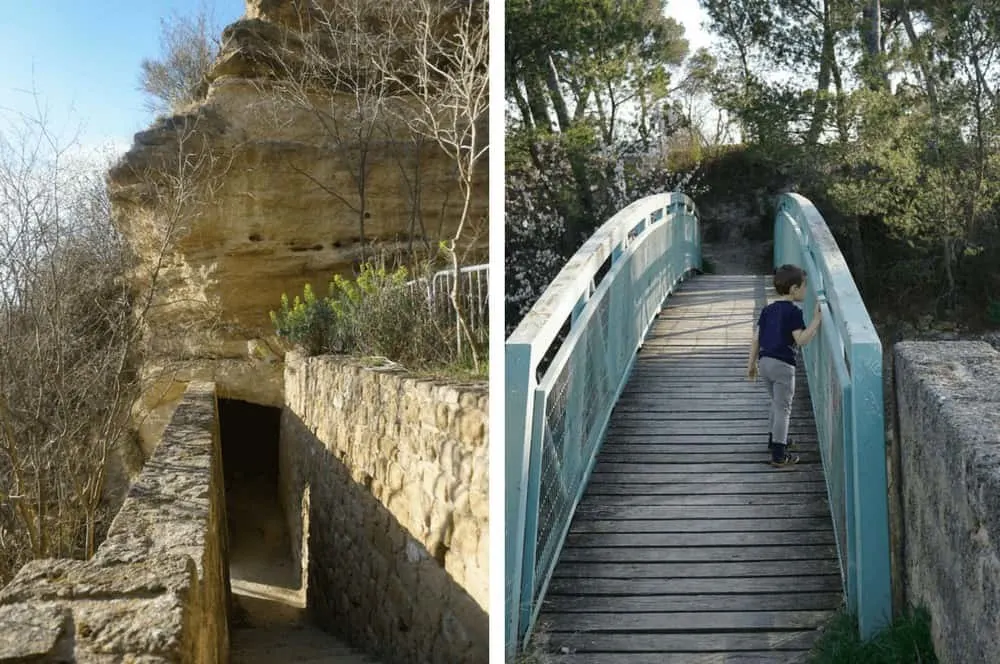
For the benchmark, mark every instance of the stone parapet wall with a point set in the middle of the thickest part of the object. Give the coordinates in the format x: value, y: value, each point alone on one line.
x: 394, y: 470
x: 158, y: 588
x: 948, y: 401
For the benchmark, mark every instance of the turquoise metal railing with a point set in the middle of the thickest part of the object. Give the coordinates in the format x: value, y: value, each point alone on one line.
x: 844, y: 367
x: 608, y: 293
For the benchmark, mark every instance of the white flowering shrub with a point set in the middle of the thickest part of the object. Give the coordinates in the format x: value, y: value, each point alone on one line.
x: 546, y: 222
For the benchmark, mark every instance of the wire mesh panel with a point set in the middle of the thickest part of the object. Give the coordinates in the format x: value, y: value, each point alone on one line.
x: 555, y: 427
x: 844, y: 369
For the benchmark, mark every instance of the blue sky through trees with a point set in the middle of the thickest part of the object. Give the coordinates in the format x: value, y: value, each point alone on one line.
x: 82, y: 60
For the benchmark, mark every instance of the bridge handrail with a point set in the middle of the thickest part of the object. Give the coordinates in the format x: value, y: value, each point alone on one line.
x: 844, y: 368
x: 657, y: 237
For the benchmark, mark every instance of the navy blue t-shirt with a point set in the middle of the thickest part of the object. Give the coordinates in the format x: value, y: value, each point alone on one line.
x: 776, y: 323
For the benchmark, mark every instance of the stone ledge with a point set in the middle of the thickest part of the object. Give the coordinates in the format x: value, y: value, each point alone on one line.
x: 157, y: 589
x: 35, y: 633
x: 948, y: 402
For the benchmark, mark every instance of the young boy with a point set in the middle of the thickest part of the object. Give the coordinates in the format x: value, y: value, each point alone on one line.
x: 779, y: 329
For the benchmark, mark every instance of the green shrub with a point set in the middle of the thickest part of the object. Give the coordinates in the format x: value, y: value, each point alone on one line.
x: 993, y: 312
x: 378, y: 314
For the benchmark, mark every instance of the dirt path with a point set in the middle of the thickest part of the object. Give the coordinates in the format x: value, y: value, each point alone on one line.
x: 269, y: 622
x: 741, y: 257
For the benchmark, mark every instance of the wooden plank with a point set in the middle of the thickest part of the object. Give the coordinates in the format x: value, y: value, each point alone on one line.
x: 753, y: 453
x: 781, y: 600
x: 745, y: 657
x: 694, y: 622
x: 686, y: 489
x: 790, y: 500
x: 815, y: 508
x: 751, y: 419
x: 666, y: 437
x: 789, y: 524
x: 693, y: 586
x: 806, y: 473
x: 797, y: 428
x: 618, y: 448
x: 748, y: 467
x: 687, y: 554
x: 668, y: 642
x: 705, y: 539
x: 712, y: 570
x: 701, y: 403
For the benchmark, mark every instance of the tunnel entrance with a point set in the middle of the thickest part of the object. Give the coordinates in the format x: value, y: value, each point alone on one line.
x: 265, y: 582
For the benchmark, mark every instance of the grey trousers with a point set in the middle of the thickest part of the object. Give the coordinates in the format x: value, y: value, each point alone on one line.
x: 779, y: 377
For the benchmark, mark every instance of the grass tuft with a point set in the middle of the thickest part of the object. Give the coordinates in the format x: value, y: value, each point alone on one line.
x: 906, y: 641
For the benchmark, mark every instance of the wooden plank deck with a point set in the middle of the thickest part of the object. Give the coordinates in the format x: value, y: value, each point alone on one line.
x: 687, y: 546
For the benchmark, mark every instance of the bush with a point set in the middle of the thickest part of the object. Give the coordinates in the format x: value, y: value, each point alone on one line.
x: 906, y: 641
x: 379, y: 313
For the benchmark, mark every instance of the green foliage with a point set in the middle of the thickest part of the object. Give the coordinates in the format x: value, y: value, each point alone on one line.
x: 906, y: 641
x: 993, y: 312
x: 376, y: 314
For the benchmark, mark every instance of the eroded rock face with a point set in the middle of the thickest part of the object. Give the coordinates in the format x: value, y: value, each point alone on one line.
x: 255, y: 197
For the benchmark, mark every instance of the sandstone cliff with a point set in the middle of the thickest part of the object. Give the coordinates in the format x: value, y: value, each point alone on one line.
x: 253, y: 195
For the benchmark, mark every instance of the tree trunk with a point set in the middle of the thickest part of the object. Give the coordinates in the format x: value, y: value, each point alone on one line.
x: 871, y: 36
x: 843, y: 129
x: 823, y: 81
x: 930, y: 84
x: 537, y: 102
x: 555, y: 93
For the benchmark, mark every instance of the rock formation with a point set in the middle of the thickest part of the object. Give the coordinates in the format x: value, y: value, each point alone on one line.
x: 248, y: 195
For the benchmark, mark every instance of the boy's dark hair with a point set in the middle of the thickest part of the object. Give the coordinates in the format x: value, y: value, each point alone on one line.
x: 787, y: 276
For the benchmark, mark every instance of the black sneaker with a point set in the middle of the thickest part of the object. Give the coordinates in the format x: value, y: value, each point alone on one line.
x: 790, y: 445
x: 785, y: 461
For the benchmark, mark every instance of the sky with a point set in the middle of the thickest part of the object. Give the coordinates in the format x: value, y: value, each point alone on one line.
x: 689, y: 14
x: 82, y: 59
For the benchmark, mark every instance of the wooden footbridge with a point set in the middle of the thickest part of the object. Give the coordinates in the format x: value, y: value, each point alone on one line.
x: 643, y: 522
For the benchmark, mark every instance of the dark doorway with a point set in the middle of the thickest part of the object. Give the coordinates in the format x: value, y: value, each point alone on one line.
x: 250, y: 435
x: 261, y: 568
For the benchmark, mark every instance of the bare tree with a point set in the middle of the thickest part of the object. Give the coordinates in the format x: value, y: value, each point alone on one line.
x: 73, y: 321
x: 188, y: 48
x: 445, y: 74
x: 66, y: 349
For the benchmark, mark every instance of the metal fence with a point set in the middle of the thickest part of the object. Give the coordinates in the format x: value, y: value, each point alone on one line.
x: 473, y: 294
x: 556, y: 414
x: 844, y: 368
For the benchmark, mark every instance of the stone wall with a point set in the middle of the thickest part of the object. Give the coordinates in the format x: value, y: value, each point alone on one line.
x: 158, y: 588
x: 948, y: 401
x: 395, y: 469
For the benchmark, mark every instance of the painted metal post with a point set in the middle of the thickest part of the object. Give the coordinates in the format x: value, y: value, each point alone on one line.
x: 517, y: 420
x: 533, y: 490
x: 871, y: 505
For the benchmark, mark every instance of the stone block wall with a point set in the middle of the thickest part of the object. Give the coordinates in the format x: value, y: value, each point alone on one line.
x: 157, y: 590
x: 948, y: 401
x: 395, y: 470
